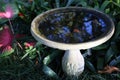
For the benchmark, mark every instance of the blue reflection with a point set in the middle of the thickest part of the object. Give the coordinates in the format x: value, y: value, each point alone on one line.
x: 88, y: 27
x: 58, y: 19
x: 103, y: 25
x: 87, y: 17
x: 51, y: 37
x: 66, y: 30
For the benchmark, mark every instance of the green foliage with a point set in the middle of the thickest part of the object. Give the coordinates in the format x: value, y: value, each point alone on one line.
x: 69, y: 3
x: 100, y: 63
x: 50, y: 57
x: 31, y: 9
x: 90, y: 66
x: 100, y: 47
x: 31, y: 52
x: 2, y: 9
x: 6, y: 53
x: 115, y: 61
x: 36, y: 63
x: 110, y: 48
x: 57, y: 3
x: 117, y: 32
x: 109, y: 54
x: 49, y: 72
x: 104, y: 5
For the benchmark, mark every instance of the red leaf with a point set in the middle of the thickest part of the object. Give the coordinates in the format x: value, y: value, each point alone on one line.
x: 17, y: 36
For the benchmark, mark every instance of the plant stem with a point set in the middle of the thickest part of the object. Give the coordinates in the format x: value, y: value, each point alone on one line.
x: 11, y: 26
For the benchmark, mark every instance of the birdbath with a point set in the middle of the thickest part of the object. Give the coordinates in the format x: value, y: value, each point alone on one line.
x: 72, y: 29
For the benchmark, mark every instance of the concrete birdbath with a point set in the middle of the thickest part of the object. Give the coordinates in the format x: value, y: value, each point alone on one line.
x: 72, y: 29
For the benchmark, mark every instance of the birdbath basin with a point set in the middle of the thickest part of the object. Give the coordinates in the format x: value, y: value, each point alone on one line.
x: 72, y: 29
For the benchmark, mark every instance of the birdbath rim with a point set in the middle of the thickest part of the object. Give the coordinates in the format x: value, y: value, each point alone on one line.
x: 68, y: 46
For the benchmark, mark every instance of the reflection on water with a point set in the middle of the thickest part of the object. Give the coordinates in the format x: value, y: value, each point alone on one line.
x: 72, y: 27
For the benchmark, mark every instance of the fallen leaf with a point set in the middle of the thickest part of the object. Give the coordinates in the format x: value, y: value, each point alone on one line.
x: 109, y: 69
x: 76, y: 30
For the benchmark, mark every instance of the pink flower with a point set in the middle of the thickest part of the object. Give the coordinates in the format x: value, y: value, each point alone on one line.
x: 8, y: 12
x: 7, y: 49
x: 6, y: 38
x: 29, y: 44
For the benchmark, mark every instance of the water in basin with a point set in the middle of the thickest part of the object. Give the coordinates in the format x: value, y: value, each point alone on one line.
x: 72, y: 27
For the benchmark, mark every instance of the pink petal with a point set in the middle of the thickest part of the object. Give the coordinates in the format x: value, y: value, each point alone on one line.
x: 2, y: 15
x: 6, y: 37
x: 1, y: 45
x: 7, y: 48
x: 8, y: 15
x: 8, y: 12
x: 28, y: 44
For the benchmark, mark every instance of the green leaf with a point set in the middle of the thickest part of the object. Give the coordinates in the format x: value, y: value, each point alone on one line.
x: 7, y: 52
x: 104, y: 5
x: 100, y: 62
x: 57, y: 3
x: 83, y: 3
x: 28, y: 51
x: 103, y: 46
x: 109, y: 54
x: 116, y: 4
x: 118, y: 1
x: 33, y: 6
x: 90, y: 66
x: 69, y: 3
x: 3, y: 20
x: 3, y: 4
x: 115, y: 61
x: 26, y: 54
x: 22, y: 3
x: 107, y: 11
x: 114, y: 47
x: 117, y: 31
x: 49, y: 72
x: 43, y: 3
x: 15, y: 10
x: 96, y: 7
x: 32, y: 55
x: 50, y: 57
